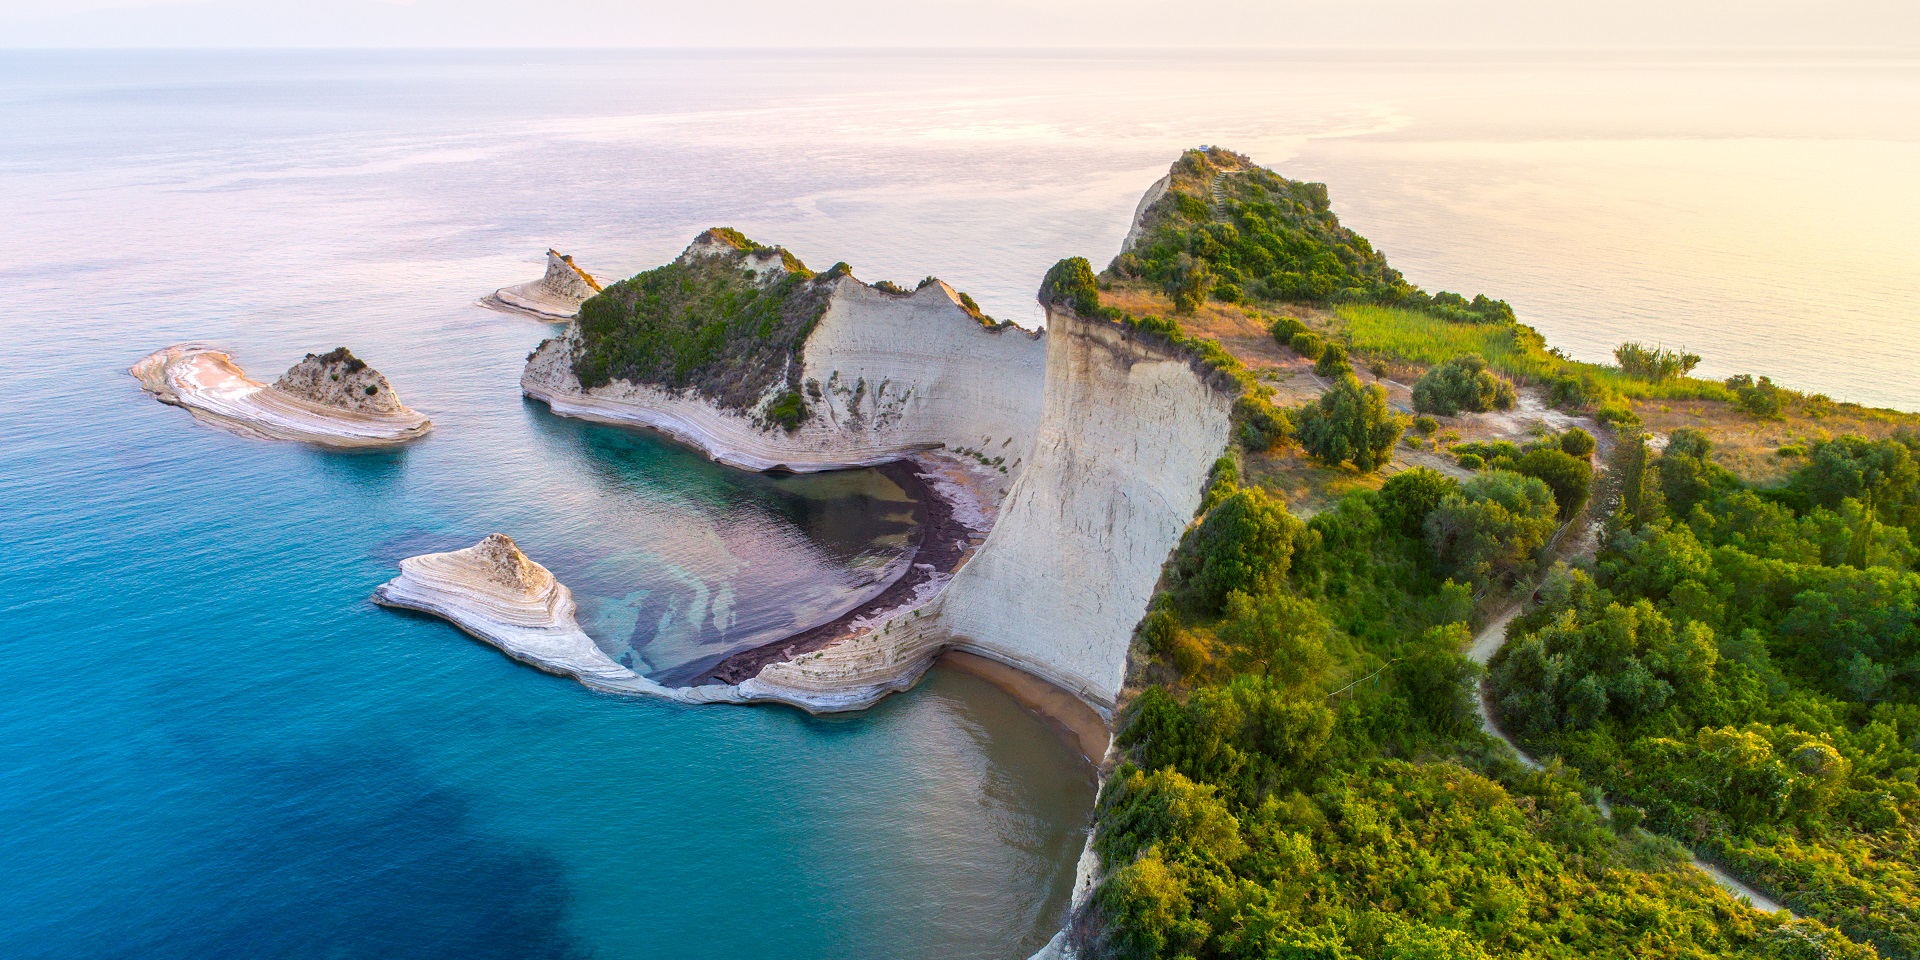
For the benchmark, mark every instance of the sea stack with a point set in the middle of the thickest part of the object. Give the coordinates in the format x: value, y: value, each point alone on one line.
x: 498, y: 594
x: 331, y: 399
x: 555, y: 297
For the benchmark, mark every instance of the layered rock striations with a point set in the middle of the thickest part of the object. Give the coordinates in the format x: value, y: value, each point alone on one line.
x: 1130, y: 431
x: 496, y: 593
x: 332, y: 399
x: 805, y: 372
x: 555, y: 297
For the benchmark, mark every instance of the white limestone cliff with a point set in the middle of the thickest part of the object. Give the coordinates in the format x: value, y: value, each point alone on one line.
x: 330, y: 399
x: 555, y: 297
x: 886, y: 374
x: 1120, y: 463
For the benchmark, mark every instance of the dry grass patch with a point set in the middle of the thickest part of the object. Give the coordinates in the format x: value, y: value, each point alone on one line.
x: 1750, y: 447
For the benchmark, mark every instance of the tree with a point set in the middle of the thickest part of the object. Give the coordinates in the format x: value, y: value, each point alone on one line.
x: 1245, y: 544
x: 1491, y: 529
x: 1279, y: 635
x: 1570, y: 478
x: 1463, y: 383
x: 1350, y: 424
x: 1408, y: 496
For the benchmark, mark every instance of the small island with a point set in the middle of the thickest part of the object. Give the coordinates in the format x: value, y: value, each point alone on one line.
x: 555, y: 297
x: 330, y: 399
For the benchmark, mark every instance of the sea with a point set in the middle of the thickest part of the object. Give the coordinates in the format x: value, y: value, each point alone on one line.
x: 213, y: 745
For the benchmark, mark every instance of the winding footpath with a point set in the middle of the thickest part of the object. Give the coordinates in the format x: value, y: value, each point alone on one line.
x: 1487, y: 643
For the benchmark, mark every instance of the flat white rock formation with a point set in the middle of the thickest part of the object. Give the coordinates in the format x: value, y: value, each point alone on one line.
x: 331, y: 399
x: 555, y: 297
x: 494, y: 592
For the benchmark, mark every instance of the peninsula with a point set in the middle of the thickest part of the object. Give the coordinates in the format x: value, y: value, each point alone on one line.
x: 1247, y: 501
x: 332, y: 399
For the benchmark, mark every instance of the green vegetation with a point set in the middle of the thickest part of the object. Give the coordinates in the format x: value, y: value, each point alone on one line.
x: 1350, y: 423
x: 1463, y: 383
x: 1654, y: 363
x: 706, y: 323
x: 1302, y: 775
x: 1744, y: 667
x: 1230, y: 230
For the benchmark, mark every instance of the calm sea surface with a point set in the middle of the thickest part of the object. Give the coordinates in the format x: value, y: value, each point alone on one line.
x: 212, y: 745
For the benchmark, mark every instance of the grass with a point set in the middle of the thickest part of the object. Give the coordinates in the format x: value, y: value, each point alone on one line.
x: 1517, y: 350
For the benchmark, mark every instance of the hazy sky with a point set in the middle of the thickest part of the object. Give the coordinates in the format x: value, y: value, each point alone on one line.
x: 1888, y: 25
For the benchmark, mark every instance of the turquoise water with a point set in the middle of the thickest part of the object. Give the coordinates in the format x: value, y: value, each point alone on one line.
x: 212, y: 744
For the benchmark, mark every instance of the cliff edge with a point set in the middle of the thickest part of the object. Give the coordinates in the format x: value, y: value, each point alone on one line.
x: 741, y: 351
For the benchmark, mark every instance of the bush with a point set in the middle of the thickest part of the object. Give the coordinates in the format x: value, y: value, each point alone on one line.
x: 1285, y: 329
x: 1470, y: 461
x: 1261, y: 424
x: 1350, y: 424
x: 788, y: 410
x: 1577, y: 443
x: 1490, y: 530
x: 1410, y: 495
x: 1654, y: 363
x: 1333, y: 362
x: 1308, y: 344
x: 1244, y: 544
x: 1761, y: 398
x: 1569, y: 392
x: 1071, y: 283
x: 1425, y: 424
x: 1463, y: 383
x: 1569, y: 477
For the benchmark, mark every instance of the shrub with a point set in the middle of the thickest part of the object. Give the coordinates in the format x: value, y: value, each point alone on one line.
x: 1308, y: 344
x: 1470, y: 461
x: 1463, y: 383
x: 1350, y: 424
x: 1425, y: 424
x: 1410, y: 495
x: 1244, y: 544
x: 1654, y: 363
x: 1569, y: 392
x: 1761, y: 398
x: 1262, y: 425
x: 1569, y: 477
x: 1285, y: 329
x: 1577, y: 442
x: 1490, y: 530
x: 788, y: 410
x: 1071, y: 283
x: 1333, y: 362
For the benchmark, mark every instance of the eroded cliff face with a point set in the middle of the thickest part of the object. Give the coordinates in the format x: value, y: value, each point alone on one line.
x: 883, y: 374
x: 1117, y: 470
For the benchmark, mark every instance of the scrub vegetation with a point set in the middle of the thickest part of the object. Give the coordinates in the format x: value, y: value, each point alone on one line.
x: 1301, y: 771
x: 710, y: 324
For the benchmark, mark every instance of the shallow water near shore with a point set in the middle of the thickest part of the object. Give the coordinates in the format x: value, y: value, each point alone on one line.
x: 212, y: 744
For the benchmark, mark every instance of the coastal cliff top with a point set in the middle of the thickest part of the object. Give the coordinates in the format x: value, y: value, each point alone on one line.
x: 340, y: 380
x: 728, y: 319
